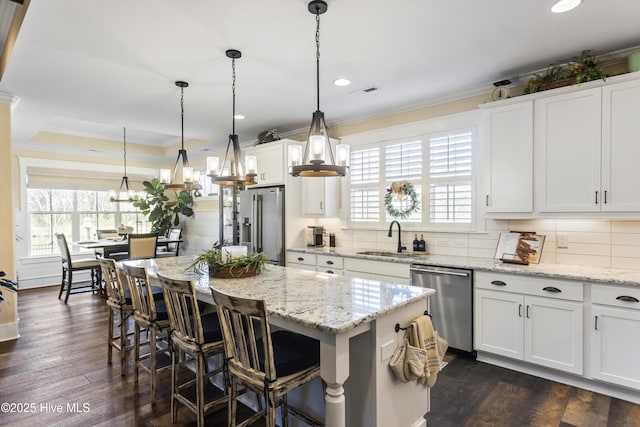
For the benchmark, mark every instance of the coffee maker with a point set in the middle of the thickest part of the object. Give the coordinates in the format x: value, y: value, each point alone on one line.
x: 315, y: 235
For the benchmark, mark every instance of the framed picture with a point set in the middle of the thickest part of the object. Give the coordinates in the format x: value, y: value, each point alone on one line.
x: 520, y: 247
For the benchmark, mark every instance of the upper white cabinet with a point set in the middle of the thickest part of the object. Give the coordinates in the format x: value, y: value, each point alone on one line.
x: 620, y: 147
x: 508, y: 158
x: 320, y: 196
x: 568, y: 140
x: 271, y: 163
x: 586, y: 149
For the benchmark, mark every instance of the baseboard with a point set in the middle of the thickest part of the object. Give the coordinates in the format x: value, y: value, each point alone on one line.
x: 9, y: 331
x: 561, y: 377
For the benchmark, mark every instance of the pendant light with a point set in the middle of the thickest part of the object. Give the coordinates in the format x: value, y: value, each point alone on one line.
x: 318, y: 157
x: 183, y: 176
x: 124, y: 193
x: 241, y: 171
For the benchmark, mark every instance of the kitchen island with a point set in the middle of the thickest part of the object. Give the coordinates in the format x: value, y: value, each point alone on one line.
x: 354, y: 321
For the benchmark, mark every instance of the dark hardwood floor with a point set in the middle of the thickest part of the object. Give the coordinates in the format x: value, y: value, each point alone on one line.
x: 58, y: 371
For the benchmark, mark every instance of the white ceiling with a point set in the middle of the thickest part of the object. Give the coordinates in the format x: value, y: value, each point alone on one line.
x: 89, y: 67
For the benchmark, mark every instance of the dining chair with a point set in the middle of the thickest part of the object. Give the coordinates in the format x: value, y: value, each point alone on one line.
x: 149, y: 314
x: 172, y: 249
x: 195, y: 338
x: 142, y: 246
x: 120, y: 309
x: 69, y: 266
x: 271, y: 364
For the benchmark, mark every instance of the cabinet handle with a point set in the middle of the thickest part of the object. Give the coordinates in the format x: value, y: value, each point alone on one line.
x: 596, y: 197
x: 498, y: 283
x: 330, y: 262
x: 596, y: 323
x: 551, y: 289
x: 605, y: 197
x: 330, y: 271
x: 528, y: 312
x: 627, y: 298
x: 321, y: 205
x: 487, y: 200
x: 519, y: 310
x: 300, y: 258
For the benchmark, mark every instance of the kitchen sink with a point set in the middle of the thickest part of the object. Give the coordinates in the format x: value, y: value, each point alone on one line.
x: 387, y: 253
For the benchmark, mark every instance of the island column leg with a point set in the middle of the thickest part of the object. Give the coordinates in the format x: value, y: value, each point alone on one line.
x: 334, y: 370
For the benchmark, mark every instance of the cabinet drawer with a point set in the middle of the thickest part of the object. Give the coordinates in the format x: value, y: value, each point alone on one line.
x: 329, y: 270
x: 301, y: 258
x: 539, y: 286
x: 617, y: 296
x: 377, y: 267
x: 329, y: 262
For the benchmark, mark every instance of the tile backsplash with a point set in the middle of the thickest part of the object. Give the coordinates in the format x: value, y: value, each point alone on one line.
x: 592, y: 242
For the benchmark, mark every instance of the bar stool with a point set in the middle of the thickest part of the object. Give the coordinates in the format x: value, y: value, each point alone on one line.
x: 194, y: 338
x: 152, y: 315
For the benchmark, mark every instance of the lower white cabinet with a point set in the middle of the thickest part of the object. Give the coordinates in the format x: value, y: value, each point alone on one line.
x: 615, y: 335
x: 301, y: 260
x: 330, y: 264
x: 377, y: 270
x: 513, y: 321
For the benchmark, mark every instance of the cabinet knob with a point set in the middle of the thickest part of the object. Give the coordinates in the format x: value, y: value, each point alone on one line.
x: 551, y: 289
x: 627, y: 298
x: 498, y: 283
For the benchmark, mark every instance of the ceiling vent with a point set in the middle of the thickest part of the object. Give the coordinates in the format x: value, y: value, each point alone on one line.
x: 365, y: 90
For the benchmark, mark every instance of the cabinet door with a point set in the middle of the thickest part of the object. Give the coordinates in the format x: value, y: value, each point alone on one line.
x: 499, y: 323
x: 270, y: 164
x: 508, y: 158
x: 567, y: 155
x: 615, y: 345
x: 320, y: 196
x: 620, y: 148
x: 553, y: 333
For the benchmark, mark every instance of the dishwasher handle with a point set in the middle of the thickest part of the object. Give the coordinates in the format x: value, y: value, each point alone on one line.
x: 442, y: 272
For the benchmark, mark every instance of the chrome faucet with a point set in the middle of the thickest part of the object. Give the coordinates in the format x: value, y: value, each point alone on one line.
x: 400, y: 247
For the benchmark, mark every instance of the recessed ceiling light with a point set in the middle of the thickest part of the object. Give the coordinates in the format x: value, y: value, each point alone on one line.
x: 342, y: 82
x: 565, y: 5
x: 238, y: 117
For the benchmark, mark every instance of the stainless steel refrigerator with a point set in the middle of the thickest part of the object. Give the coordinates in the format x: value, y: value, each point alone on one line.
x: 262, y: 222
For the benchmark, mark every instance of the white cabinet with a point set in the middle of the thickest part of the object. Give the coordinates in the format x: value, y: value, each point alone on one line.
x: 531, y: 319
x: 271, y: 163
x: 301, y: 260
x: 615, y: 335
x: 508, y: 158
x: 568, y: 141
x: 320, y: 196
x: 620, y: 148
x: 330, y: 264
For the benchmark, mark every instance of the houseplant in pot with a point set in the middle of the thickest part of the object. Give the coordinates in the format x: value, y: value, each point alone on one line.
x: 220, y: 265
x: 164, y: 211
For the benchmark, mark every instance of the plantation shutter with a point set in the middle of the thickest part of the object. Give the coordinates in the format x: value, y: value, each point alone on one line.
x: 364, y: 173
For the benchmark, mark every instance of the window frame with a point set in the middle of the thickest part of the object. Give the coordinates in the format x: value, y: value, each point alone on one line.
x: 424, y: 130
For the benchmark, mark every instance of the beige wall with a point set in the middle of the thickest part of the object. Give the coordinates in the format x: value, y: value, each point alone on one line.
x: 8, y: 313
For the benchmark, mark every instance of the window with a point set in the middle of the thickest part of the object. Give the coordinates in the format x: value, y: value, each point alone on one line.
x: 438, y: 165
x: 77, y: 214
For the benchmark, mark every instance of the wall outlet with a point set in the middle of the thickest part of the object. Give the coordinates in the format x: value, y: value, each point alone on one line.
x: 386, y: 350
x: 562, y: 240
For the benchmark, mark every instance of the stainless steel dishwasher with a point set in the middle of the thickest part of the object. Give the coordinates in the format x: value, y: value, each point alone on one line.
x: 451, y: 308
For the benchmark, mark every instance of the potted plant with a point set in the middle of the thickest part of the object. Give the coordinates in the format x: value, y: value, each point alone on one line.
x: 584, y: 68
x: 214, y: 260
x: 164, y: 211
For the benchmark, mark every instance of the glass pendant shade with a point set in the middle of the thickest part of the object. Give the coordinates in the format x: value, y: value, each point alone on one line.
x: 182, y: 175
x: 124, y: 194
x: 318, y: 160
x: 241, y: 171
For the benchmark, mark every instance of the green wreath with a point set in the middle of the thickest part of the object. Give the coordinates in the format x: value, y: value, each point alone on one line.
x: 401, y: 190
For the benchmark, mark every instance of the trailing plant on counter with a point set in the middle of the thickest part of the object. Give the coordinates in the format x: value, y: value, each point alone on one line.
x: 214, y: 260
x: 164, y: 211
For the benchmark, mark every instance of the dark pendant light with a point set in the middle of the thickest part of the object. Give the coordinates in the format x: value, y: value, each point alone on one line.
x: 182, y: 177
x: 318, y: 157
x: 241, y: 171
x: 124, y: 194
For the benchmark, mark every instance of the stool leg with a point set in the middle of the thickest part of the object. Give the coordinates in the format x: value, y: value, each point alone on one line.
x: 136, y: 352
x: 110, y: 336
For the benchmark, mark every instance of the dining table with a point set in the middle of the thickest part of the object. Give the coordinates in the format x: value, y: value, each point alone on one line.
x: 356, y: 320
x: 116, y: 244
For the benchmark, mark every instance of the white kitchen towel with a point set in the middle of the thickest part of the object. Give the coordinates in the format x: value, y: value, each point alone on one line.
x: 424, y: 336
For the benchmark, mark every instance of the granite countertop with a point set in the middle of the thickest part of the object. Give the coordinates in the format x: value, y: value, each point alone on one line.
x: 560, y: 271
x: 327, y: 302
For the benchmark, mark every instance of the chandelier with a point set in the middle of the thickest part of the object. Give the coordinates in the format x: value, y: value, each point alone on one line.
x: 183, y: 176
x: 124, y: 193
x: 241, y: 171
x: 318, y: 157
